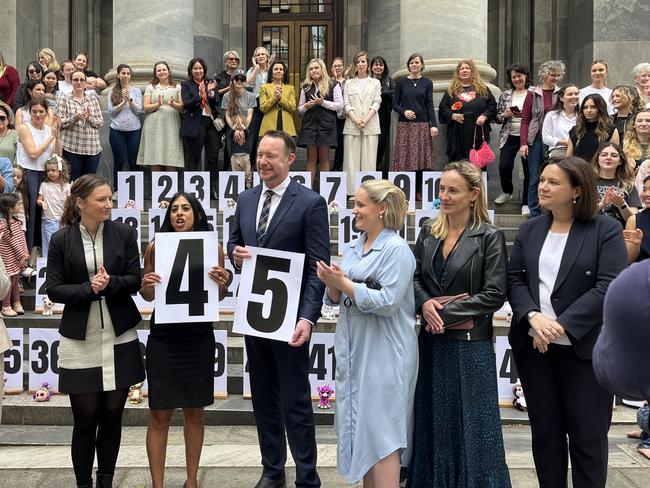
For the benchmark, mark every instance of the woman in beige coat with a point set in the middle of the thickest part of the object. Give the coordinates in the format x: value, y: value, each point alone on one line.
x: 5, y: 341
x: 361, y: 101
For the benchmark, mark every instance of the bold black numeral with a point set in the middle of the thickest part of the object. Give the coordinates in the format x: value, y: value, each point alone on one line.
x: 42, y: 365
x: 331, y: 351
x: 508, y: 368
x: 403, y: 182
x: 131, y: 182
x: 232, y: 189
x: 317, y: 361
x: 299, y: 179
x: 199, y: 184
x: 166, y: 182
x: 12, y: 359
x: 430, y: 189
x: 41, y: 274
x: 156, y: 223
x: 132, y: 221
x: 336, y: 184
x: 367, y: 178
x: 219, y: 360
x: 279, y: 294
x: 189, y: 251
x: 349, y: 227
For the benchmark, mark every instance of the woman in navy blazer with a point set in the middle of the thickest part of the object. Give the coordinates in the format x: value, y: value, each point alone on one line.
x: 559, y: 271
x: 201, y: 101
x: 93, y: 268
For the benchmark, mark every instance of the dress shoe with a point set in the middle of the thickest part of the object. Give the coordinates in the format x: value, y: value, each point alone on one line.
x: 269, y: 483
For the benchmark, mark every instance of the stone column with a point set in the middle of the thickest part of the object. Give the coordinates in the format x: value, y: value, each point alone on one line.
x: 159, y: 31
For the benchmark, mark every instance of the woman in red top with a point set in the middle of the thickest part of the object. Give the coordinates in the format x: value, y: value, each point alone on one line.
x: 9, y: 81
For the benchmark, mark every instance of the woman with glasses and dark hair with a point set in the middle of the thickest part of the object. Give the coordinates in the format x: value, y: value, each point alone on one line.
x: 34, y: 71
x: 593, y: 127
x: 180, y: 357
x: 201, y: 102
x: 278, y: 101
x: 560, y: 268
x: 161, y: 146
x: 509, y: 107
x: 379, y: 70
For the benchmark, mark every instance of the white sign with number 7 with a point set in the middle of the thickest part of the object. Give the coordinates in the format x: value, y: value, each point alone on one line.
x: 187, y: 293
x: 269, y: 294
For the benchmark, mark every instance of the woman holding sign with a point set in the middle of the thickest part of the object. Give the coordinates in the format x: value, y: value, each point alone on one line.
x: 460, y: 281
x: 375, y: 342
x: 93, y: 268
x: 180, y: 357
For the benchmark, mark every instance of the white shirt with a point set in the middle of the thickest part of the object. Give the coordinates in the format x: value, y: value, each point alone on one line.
x: 278, y: 192
x: 557, y: 126
x: 549, y: 266
x: 603, y: 92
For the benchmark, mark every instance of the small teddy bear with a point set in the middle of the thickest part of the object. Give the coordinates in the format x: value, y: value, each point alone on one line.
x: 130, y: 204
x: 519, y: 401
x: 163, y: 204
x: 48, y: 306
x: 231, y: 203
x: 135, y: 393
x: 333, y: 207
x: 325, y: 392
x: 43, y: 394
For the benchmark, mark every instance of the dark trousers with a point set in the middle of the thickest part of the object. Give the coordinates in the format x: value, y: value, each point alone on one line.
x: 125, y: 145
x: 337, y: 164
x: 506, y: 166
x: 282, y: 400
x: 81, y: 164
x: 565, y: 401
x: 535, y: 160
x: 33, y: 212
x: 207, y: 138
x: 254, y: 129
x: 382, y: 165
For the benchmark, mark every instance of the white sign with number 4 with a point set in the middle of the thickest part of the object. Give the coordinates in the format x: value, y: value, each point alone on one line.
x: 186, y: 294
x: 269, y: 293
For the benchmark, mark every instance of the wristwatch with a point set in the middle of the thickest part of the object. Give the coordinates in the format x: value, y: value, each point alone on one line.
x: 624, y: 206
x: 531, y: 314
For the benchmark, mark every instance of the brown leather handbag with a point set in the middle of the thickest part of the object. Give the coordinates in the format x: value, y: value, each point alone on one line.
x: 465, y: 324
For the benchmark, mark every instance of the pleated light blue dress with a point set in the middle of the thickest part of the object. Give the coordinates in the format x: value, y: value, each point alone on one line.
x: 376, y: 356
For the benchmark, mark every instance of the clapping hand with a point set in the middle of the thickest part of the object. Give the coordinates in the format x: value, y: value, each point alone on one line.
x: 278, y: 92
x: 315, y: 99
x: 125, y: 95
x: 332, y: 275
x: 100, y: 280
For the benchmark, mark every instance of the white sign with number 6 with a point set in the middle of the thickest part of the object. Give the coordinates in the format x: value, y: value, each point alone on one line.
x: 186, y: 294
x: 43, y: 358
x: 269, y: 293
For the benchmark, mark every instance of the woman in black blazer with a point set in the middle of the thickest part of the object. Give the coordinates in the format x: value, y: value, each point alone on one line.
x: 201, y: 100
x: 93, y: 267
x: 559, y: 271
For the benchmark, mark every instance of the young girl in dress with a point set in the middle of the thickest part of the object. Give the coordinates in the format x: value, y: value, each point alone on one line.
x: 20, y: 189
x: 51, y: 197
x: 13, y: 251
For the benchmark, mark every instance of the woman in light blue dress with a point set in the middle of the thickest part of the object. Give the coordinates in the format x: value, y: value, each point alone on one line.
x: 375, y: 342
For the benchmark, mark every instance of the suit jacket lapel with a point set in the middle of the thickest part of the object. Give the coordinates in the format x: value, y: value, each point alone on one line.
x: 533, y: 249
x: 249, y: 227
x: 571, y: 251
x: 285, y: 203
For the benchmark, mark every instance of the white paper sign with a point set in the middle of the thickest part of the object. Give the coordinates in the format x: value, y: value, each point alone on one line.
x: 187, y: 293
x: 143, y: 305
x: 164, y: 185
x: 302, y: 177
x: 130, y: 186
x: 221, y: 364
x: 229, y: 302
x: 41, y: 264
x: 347, y: 229
x: 333, y: 187
x: 361, y: 176
x: 431, y: 187
x: 129, y: 216
x: 405, y: 181
x: 211, y: 217
x: 231, y: 185
x: 13, y: 359
x: 421, y: 216
x: 43, y: 358
x: 507, y: 375
x: 269, y: 294
x: 143, y: 337
x: 322, y: 362
x: 197, y: 183
x: 156, y: 219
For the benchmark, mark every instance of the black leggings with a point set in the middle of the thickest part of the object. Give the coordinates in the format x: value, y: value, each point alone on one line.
x: 97, y: 425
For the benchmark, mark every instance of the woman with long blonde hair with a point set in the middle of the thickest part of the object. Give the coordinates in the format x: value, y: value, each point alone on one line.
x: 626, y: 102
x: 320, y: 99
x: 456, y: 399
x: 637, y: 137
x: 47, y: 59
x: 467, y: 108
x: 256, y: 76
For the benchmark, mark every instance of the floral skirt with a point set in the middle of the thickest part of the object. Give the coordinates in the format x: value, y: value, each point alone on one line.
x: 413, y: 147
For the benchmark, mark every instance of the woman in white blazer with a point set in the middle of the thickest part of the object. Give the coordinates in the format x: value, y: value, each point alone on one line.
x: 5, y: 341
x: 361, y: 101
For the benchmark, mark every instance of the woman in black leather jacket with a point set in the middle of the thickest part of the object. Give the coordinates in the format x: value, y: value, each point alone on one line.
x: 457, y: 436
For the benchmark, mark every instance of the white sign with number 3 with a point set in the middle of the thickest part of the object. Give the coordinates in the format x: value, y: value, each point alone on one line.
x: 187, y: 293
x: 269, y: 293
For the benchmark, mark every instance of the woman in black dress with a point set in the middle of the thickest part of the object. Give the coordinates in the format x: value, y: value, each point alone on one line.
x: 379, y: 70
x: 180, y: 357
x: 592, y: 128
x: 467, y: 108
x: 93, y: 267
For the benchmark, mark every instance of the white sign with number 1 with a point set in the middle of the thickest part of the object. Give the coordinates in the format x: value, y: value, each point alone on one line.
x: 269, y: 293
x: 186, y: 294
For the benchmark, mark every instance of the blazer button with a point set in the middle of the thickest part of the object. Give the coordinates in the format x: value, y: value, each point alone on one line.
x: 588, y: 273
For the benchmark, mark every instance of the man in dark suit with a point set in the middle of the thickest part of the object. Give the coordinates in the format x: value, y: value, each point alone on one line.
x: 282, y: 214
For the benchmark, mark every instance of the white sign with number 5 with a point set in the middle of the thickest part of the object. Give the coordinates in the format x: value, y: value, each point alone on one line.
x: 269, y: 293
x: 186, y: 294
